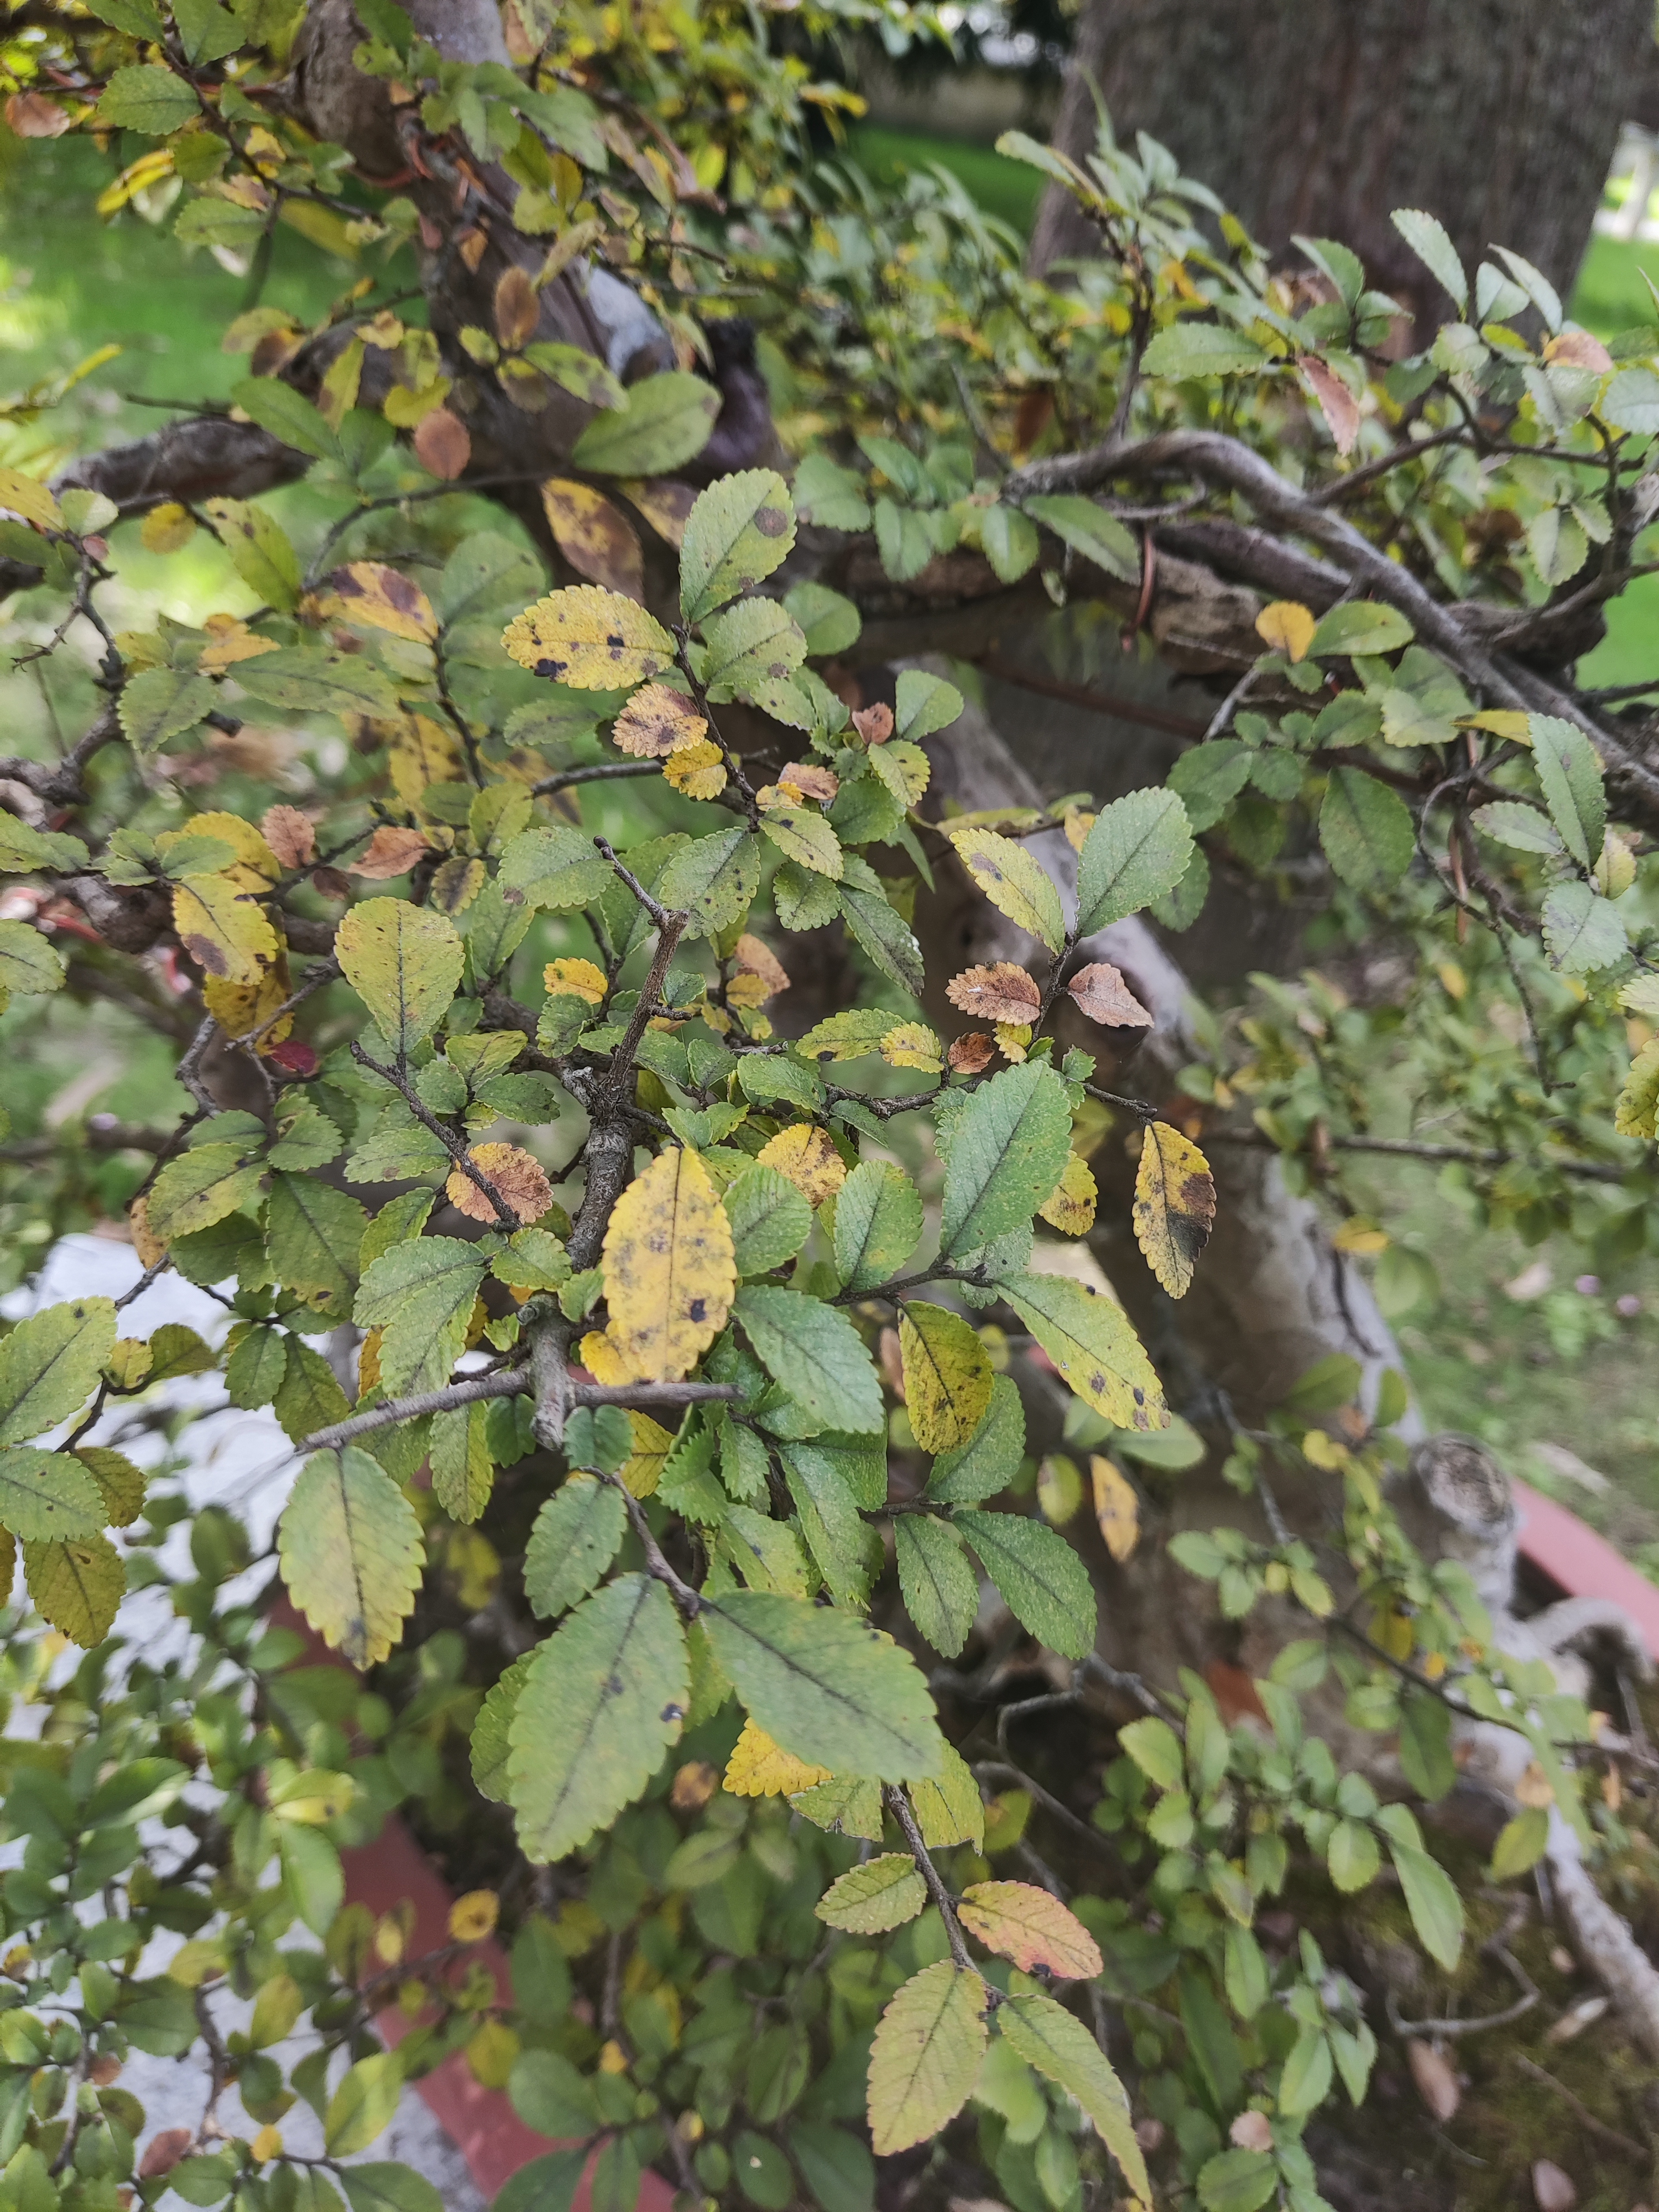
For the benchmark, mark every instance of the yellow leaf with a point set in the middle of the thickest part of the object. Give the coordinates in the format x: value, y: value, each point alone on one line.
x: 167, y: 527
x: 1321, y: 1449
x: 666, y: 505
x: 145, y: 1243
x: 244, y: 1010
x: 602, y: 1356
x: 1014, y: 881
x: 579, y: 979
x: 1117, y: 1509
x: 128, y: 1365
x: 473, y: 1917
x: 384, y: 599
x: 490, y: 2052
x: 596, y: 537
x: 1012, y: 1039
x: 1287, y: 627
x: 232, y: 641
x: 1175, y: 1206
x: 1638, y: 1111
x: 1070, y: 1206
x: 947, y: 1375
x: 592, y: 640
x: 657, y: 721
x: 1025, y: 1923
x: 423, y: 753
x: 1058, y: 1489
x: 256, y: 867
x: 808, y: 1159
x: 912, y: 1044
x: 29, y: 497
x: 670, y: 1274
x: 760, y: 1768
x: 643, y: 1470
x: 1501, y: 722
x: 1534, y: 1789
x: 698, y: 770
x: 266, y: 2145
x: 1362, y: 1237
x: 1077, y: 825
x: 225, y: 932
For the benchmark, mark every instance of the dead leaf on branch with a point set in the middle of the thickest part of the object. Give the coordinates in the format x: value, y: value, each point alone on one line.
x: 1003, y: 993
x: 390, y: 852
x: 517, y: 1177
x: 291, y: 835
x: 1100, y: 992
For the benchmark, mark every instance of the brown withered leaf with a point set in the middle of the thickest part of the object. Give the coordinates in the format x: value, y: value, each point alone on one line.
x: 31, y: 115
x: 1553, y: 2190
x: 874, y: 724
x: 441, y: 443
x: 596, y: 537
x: 1251, y: 2131
x: 1577, y: 349
x: 330, y: 884
x: 1100, y: 992
x: 657, y: 721
x: 164, y: 2152
x: 811, y: 782
x: 971, y: 1053
x: 391, y: 853
x: 516, y: 1174
x: 517, y: 309
x: 1003, y: 993
x: 1437, y: 2084
x: 1336, y: 403
x: 290, y: 835
x: 757, y: 959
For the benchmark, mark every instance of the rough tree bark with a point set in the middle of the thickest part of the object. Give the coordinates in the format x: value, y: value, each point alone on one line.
x: 1318, y: 117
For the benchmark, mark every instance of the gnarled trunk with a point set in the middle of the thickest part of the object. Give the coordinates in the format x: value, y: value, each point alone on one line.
x: 1318, y: 117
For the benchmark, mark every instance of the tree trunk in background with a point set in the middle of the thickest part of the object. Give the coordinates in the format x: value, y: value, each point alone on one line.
x: 1319, y: 116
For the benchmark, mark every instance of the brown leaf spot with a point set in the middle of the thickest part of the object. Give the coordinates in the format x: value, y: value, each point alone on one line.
x: 207, y: 954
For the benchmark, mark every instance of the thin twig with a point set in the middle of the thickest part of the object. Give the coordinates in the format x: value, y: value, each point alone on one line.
x: 1600, y: 2128
x: 458, y: 1152
x: 899, y: 1806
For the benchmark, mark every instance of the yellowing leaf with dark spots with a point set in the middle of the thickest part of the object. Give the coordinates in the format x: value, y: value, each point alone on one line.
x: 947, y: 1375
x: 1175, y: 1206
x: 518, y: 1177
x: 698, y: 770
x: 1117, y: 1508
x: 602, y: 1356
x: 1287, y: 627
x: 756, y: 959
x: 592, y: 639
x: 423, y: 753
x: 351, y: 1554
x: 912, y: 1044
x: 1070, y: 1206
x: 596, y: 537
x: 760, y: 1768
x: 666, y: 505
x: 249, y: 1010
x: 642, y: 1469
x: 256, y: 867
x: 1025, y: 1923
x: 76, y: 1582
x: 657, y: 721
x: 380, y: 597
x: 576, y: 978
x: 808, y: 1157
x: 456, y: 883
x: 669, y: 1271
x: 226, y: 932
x: 1014, y: 881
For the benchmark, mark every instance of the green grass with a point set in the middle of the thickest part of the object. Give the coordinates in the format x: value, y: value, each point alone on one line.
x: 1609, y: 297
x: 1002, y: 187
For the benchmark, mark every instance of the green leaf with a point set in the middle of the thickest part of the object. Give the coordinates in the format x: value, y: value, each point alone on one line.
x: 665, y: 423
x: 877, y: 1223
x: 77, y: 1583
x: 546, y: 2184
x: 46, y: 1495
x: 312, y: 1236
x: 578, y: 1533
x: 835, y: 2166
x: 1238, y: 2181
x: 1156, y: 1750
x: 1091, y: 1342
x: 830, y: 621
x: 148, y: 100
x: 1425, y: 1752
x: 1364, y: 626
x: 831, y: 495
x: 1581, y: 930
x: 422, y: 1294
x: 577, y: 371
x: 1352, y: 1855
x: 201, y: 1185
x: 550, y: 2095
x: 815, y: 1352
x: 832, y: 1690
x: 1426, y: 236
x: 1305, y: 2080
x: 404, y: 963
x: 1007, y: 1151
x: 926, y: 2057
x: 1521, y: 828
x: 159, y: 703
x: 301, y: 679
x: 1569, y: 776
x: 1366, y: 829
x: 1189, y: 349
x: 1137, y: 850
x: 491, y: 1747
x: 740, y: 529
x: 1208, y: 779
x: 1044, y: 1583
x: 1631, y: 402
x: 29, y: 966
x: 940, y: 1589
x: 713, y: 879
x: 922, y: 704
x: 1521, y: 1844
x: 1059, y: 2045
x: 1088, y: 530
x: 49, y: 1367
x: 351, y: 1554
x: 260, y: 550
x: 378, y: 2185
x: 805, y: 837
x: 869, y: 1899
x: 364, y: 2104
x: 1436, y: 1909
x: 23, y: 850
x: 554, y: 867
x: 884, y: 935
x: 1016, y: 883
x: 947, y: 1375
x: 603, y: 1697
x: 770, y: 1219
x: 287, y: 414
x: 990, y: 1460
x: 1009, y: 541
